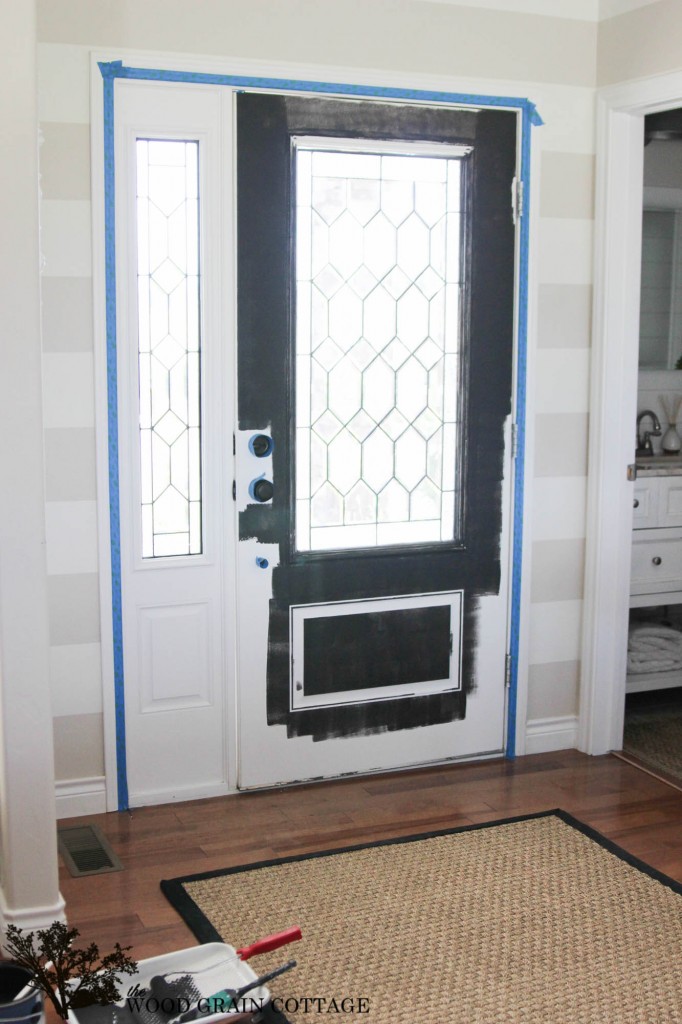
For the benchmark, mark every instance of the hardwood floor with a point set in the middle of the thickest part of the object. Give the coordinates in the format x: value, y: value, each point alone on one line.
x: 635, y: 810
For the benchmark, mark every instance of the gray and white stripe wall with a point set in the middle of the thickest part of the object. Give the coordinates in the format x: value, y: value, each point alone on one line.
x: 559, y: 350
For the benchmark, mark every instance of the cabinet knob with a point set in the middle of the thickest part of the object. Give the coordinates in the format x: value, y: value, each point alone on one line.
x: 635, y: 503
x: 657, y: 560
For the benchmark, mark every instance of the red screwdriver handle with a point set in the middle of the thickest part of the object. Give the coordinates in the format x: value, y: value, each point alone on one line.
x: 269, y: 942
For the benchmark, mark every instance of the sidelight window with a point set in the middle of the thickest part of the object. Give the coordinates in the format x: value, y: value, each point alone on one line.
x: 169, y: 346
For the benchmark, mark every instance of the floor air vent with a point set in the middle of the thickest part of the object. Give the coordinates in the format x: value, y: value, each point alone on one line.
x: 86, y: 852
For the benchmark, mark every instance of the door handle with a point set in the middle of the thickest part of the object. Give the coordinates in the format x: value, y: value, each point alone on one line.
x: 657, y: 560
x: 261, y: 489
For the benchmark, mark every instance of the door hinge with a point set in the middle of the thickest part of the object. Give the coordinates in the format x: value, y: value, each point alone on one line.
x: 514, y: 440
x: 234, y: 444
x: 234, y: 490
x: 507, y: 670
x: 452, y: 642
x: 517, y: 199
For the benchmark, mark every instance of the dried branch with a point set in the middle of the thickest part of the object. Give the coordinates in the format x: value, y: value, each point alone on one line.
x: 69, y: 977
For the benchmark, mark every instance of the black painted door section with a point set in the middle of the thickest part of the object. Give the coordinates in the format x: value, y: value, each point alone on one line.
x: 471, y: 561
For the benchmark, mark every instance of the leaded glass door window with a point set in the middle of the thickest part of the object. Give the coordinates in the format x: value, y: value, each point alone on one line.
x: 378, y: 266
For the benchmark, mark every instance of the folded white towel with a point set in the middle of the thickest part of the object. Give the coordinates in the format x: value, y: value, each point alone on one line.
x: 652, y: 640
x: 654, y: 648
x: 655, y: 630
x: 648, y: 664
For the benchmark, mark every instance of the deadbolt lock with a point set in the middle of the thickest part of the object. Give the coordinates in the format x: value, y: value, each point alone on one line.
x: 261, y: 445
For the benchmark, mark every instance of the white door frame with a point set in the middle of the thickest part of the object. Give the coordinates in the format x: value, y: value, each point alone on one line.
x: 522, y: 399
x: 613, y: 400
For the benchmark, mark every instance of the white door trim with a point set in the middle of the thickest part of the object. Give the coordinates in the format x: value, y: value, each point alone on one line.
x: 613, y: 400
x: 315, y: 74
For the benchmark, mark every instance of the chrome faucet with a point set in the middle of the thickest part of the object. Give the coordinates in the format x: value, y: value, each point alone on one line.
x: 644, y: 439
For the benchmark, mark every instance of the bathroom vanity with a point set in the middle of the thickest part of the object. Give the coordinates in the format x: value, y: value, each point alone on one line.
x: 656, y: 574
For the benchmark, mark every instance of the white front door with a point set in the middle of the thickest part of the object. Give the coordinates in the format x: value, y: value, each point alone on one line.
x: 375, y: 353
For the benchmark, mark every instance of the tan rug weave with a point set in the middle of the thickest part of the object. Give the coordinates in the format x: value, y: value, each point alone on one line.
x: 656, y: 739
x: 526, y: 922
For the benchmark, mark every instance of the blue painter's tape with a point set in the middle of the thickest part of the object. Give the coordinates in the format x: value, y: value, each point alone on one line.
x: 112, y: 420
x: 529, y: 117
x: 533, y: 114
x: 110, y: 69
x: 118, y: 70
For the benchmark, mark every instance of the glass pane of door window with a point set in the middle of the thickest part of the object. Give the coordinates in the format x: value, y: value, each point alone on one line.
x: 169, y: 346
x: 377, y: 263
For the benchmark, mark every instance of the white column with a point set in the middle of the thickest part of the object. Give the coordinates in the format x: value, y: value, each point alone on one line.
x: 29, y: 891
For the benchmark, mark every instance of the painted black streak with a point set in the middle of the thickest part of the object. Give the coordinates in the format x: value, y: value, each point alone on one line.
x: 265, y: 126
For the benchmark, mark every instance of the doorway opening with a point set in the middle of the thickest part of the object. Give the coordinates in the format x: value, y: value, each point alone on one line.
x: 653, y: 688
x: 612, y: 561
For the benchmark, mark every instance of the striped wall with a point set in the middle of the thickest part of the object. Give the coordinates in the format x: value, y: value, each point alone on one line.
x: 549, y: 60
x: 645, y: 39
x: 69, y: 425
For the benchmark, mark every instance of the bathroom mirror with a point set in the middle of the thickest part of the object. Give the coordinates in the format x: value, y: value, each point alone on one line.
x: 660, y: 336
x: 660, y: 318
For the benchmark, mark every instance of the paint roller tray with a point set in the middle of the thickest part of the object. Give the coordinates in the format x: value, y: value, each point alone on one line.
x: 194, y: 973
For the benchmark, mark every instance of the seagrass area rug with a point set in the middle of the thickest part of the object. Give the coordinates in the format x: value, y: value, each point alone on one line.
x: 533, y: 920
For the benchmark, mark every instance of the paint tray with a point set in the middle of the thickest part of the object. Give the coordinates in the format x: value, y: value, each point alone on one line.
x: 194, y: 973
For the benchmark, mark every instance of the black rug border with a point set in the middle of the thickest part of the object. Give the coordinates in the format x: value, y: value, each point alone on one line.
x: 201, y: 927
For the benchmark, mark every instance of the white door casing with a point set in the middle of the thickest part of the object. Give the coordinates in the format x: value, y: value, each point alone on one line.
x: 147, y: 621
x: 613, y: 401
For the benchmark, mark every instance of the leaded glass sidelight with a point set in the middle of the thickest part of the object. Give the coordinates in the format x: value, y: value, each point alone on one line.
x: 169, y: 346
x: 377, y: 260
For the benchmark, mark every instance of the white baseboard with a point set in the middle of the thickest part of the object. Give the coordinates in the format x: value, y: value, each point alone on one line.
x: 545, y: 734
x: 76, y: 797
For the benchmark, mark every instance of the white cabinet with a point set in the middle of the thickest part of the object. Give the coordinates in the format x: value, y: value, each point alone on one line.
x: 657, y: 565
x: 656, y: 574
x: 645, y: 511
